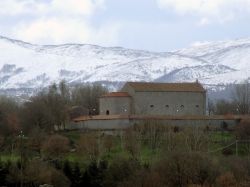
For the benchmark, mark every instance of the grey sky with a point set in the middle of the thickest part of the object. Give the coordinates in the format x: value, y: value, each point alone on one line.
x: 156, y: 25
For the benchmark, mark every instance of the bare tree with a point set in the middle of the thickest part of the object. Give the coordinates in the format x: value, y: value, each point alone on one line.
x: 196, y: 139
x: 172, y: 140
x: 132, y: 142
x: 48, y: 109
x: 89, y: 145
x: 151, y: 132
x: 241, y: 96
x: 87, y: 96
x: 224, y: 107
x: 210, y: 107
x: 9, y: 121
x: 1, y: 141
x: 108, y: 143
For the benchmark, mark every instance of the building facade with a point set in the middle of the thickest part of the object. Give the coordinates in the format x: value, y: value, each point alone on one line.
x: 115, y: 103
x: 142, y: 98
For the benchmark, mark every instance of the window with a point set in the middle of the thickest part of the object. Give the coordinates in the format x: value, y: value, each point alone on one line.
x: 167, y: 106
x: 107, y: 112
x: 197, y: 106
x: 151, y: 106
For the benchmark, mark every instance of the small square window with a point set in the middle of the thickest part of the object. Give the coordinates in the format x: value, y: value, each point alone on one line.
x: 167, y: 106
x: 151, y: 106
x: 197, y: 106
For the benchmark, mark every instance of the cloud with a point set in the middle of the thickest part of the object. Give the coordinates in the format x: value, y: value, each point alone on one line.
x: 58, y: 21
x: 76, y: 6
x: 65, y: 30
x: 14, y: 7
x: 80, y: 7
x: 208, y: 10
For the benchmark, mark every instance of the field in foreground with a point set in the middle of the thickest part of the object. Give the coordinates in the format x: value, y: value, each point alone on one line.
x: 145, y: 155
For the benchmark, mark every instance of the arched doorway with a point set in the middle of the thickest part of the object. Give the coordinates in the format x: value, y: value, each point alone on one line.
x: 107, y: 112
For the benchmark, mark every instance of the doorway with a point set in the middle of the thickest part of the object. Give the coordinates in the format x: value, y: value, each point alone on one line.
x: 107, y: 112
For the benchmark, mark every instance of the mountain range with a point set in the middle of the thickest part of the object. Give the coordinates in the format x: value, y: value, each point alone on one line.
x: 26, y: 66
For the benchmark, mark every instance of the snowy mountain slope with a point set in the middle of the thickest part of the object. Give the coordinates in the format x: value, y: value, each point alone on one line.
x: 27, y: 66
x: 200, y: 49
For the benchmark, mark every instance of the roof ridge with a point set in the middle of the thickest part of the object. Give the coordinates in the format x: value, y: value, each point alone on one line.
x: 177, y: 87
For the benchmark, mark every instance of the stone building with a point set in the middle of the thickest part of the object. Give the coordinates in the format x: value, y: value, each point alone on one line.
x: 115, y: 103
x: 141, y: 98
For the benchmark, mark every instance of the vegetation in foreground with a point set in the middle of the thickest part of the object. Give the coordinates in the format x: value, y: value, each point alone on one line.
x: 149, y: 154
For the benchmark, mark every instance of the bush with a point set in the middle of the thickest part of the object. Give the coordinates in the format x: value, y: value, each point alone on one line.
x: 55, y: 146
x: 181, y: 169
x: 120, y: 170
x: 242, y: 130
x: 227, y: 152
x: 226, y: 180
x: 38, y: 172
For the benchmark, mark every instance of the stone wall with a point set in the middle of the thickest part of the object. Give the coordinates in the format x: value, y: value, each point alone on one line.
x: 121, y: 124
x: 167, y: 103
x: 115, y: 105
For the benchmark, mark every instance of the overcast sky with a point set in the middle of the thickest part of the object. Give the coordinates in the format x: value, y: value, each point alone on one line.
x: 156, y: 25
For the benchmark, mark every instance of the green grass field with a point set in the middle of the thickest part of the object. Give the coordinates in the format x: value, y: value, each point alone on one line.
x: 217, y: 141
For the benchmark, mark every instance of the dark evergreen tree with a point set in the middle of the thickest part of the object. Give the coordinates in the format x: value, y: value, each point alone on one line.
x: 94, y: 174
x: 3, y: 173
x: 77, y: 176
x: 67, y: 170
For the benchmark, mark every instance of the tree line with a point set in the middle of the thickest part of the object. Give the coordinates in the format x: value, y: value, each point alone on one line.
x: 55, y: 106
x: 49, y: 108
x: 238, y: 103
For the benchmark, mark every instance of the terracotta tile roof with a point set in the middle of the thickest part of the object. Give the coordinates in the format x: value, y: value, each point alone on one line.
x: 166, y: 87
x: 117, y: 94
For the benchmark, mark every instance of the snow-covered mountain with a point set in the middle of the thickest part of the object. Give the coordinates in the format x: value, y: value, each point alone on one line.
x: 28, y: 66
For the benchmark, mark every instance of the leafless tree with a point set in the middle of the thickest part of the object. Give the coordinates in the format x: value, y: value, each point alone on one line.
x: 210, y: 107
x: 132, y: 142
x: 87, y: 96
x: 241, y: 96
x: 108, y: 143
x: 1, y: 141
x: 9, y: 121
x: 36, y: 139
x: 196, y: 139
x: 89, y: 145
x: 224, y: 107
x: 172, y: 140
x: 151, y: 132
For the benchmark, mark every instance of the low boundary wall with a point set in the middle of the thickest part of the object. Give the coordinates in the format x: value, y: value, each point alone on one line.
x: 118, y: 122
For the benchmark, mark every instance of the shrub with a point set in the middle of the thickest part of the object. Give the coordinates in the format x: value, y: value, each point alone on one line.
x: 242, y: 130
x: 226, y: 180
x: 181, y: 169
x: 55, y: 145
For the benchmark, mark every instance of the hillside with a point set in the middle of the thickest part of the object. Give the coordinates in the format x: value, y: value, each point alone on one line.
x: 29, y: 66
